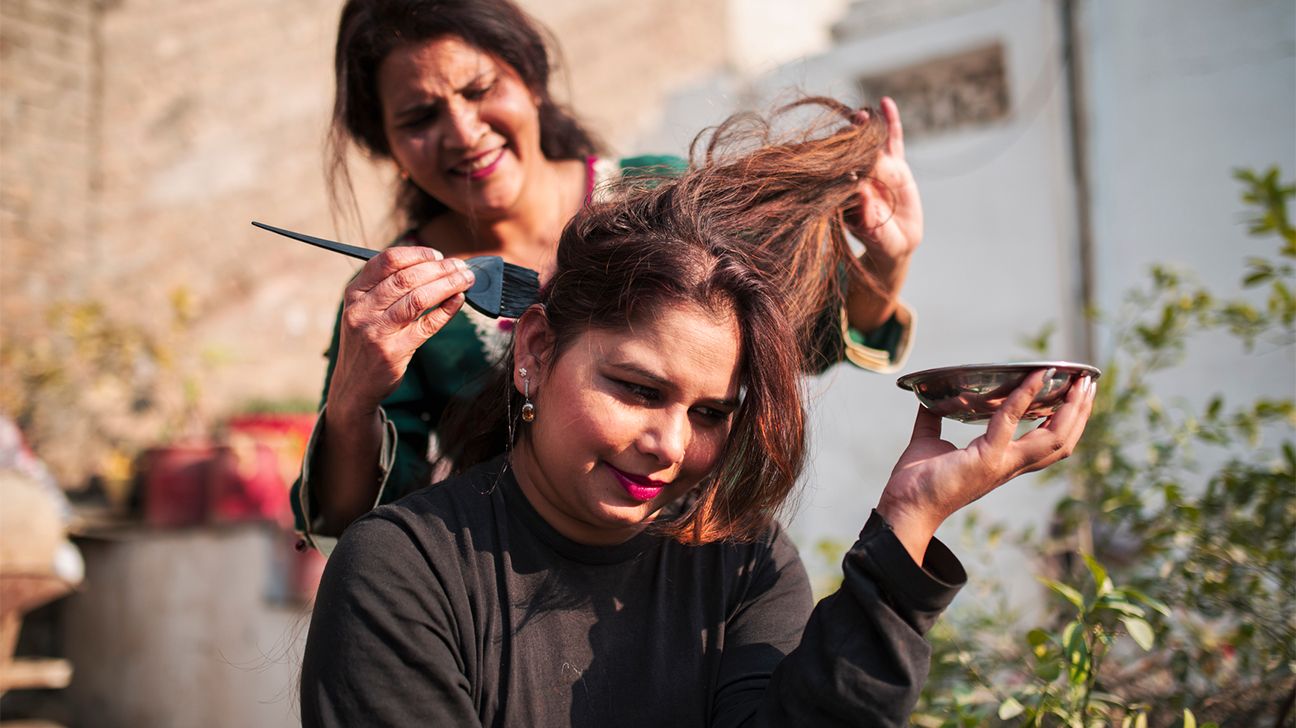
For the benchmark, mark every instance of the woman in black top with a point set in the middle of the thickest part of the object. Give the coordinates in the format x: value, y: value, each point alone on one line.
x: 609, y: 554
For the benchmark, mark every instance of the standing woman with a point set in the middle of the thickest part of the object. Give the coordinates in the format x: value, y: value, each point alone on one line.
x: 455, y: 94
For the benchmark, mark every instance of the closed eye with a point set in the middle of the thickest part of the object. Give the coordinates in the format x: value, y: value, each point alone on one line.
x: 420, y: 117
x: 477, y: 93
x: 639, y: 391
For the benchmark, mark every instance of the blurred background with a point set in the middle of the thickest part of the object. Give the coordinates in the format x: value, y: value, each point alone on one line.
x: 162, y: 359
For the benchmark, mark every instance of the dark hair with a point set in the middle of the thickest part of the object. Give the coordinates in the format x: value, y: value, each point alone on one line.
x: 370, y: 29
x: 754, y: 226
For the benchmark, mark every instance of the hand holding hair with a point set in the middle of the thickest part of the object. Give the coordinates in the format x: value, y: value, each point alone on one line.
x: 887, y: 217
x: 933, y: 479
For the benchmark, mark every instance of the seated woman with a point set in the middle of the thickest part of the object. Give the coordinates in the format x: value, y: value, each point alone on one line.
x: 608, y: 554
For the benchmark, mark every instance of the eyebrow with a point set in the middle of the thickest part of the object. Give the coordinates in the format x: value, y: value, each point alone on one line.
x: 422, y: 106
x: 660, y: 381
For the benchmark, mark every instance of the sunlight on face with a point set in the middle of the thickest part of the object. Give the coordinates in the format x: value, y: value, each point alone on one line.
x: 461, y: 123
x: 628, y: 421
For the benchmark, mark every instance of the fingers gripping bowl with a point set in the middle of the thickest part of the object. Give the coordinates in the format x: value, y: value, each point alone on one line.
x: 972, y: 392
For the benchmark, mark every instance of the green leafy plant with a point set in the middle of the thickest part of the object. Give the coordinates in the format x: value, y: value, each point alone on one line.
x: 1053, y: 678
x: 1189, y: 506
x: 89, y: 386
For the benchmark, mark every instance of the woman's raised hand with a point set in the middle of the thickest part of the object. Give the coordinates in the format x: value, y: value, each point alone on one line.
x: 888, y: 215
x: 933, y: 478
x: 401, y: 297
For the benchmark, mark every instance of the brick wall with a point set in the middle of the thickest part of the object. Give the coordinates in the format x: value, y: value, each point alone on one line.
x: 47, y: 49
x: 140, y: 137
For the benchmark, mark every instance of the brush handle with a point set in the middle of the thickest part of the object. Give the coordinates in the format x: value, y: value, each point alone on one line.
x: 354, y: 251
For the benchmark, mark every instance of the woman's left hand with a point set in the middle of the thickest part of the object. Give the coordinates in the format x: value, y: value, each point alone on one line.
x: 888, y: 215
x: 934, y: 479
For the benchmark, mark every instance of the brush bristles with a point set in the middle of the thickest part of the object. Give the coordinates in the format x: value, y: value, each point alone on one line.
x: 520, y: 290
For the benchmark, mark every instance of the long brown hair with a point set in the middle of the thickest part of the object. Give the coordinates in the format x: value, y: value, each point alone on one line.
x: 755, y: 225
x: 370, y: 29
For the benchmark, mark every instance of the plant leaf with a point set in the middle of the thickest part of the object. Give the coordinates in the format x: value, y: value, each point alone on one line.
x: 1070, y: 594
x: 1099, y: 574
x: 1141, y: 631
x: 1155, y: 604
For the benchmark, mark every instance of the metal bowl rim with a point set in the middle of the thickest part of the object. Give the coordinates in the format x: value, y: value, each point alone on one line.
x: 907, y: 381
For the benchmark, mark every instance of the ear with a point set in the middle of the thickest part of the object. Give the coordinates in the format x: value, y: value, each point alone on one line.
x: 533, y: 344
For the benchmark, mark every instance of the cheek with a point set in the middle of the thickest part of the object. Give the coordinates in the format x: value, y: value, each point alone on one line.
x: 516, y: 113
x: 705, y: 449
x: 404, y: 146
x: 586, y: 419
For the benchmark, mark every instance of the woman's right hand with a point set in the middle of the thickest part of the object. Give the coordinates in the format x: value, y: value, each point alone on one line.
x: 401, y: 297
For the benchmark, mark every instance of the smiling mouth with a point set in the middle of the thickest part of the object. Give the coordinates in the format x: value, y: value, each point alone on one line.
x: 639, y: 487
x: 479, y: 166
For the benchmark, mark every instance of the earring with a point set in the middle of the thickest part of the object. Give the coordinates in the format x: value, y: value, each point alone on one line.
x: 528, y: 409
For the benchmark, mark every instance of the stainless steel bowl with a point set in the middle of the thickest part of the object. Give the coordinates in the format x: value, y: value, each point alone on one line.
x: 972, y: 392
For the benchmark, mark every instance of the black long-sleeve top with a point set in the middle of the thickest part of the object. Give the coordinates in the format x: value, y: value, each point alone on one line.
x: 460, y: 606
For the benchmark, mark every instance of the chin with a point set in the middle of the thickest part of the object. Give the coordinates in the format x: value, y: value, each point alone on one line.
x: 498, y: 194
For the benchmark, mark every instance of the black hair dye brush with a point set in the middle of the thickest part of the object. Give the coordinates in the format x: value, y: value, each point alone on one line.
x: 498, y: 289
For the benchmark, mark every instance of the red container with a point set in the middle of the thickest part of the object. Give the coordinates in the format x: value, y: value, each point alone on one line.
x: 286, y: 434
x: 245, y: 484
x: 173, y: 483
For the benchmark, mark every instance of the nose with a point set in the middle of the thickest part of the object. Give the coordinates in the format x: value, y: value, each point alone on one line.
x: 463, y: 126
x: 666, y: 436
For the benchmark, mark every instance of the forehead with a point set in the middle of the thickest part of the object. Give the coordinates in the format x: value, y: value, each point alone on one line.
x: 698, y: 350
x: 440, y: 65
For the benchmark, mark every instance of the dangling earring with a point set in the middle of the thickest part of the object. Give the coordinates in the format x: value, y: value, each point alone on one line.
x: 528, y: 409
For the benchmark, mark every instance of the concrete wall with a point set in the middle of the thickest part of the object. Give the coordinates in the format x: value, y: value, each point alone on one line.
x: 184, y: 628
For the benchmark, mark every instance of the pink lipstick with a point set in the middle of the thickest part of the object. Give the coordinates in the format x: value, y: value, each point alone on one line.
x: 478, y: 167
x: 639, y: 487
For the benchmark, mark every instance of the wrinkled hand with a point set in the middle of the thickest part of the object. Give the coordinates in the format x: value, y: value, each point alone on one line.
x: 888, y: 215
x: 401, y: 297
x: 934, y: 479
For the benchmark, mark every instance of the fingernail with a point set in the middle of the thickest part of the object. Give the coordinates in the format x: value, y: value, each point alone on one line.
x: 437, y: 254
x: 1048, y: 373
x: 460, y: 264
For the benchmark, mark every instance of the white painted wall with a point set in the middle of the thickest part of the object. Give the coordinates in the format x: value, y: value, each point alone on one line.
x: 1177, y: 95
x: 1180, y: 94
x: 766, y: 33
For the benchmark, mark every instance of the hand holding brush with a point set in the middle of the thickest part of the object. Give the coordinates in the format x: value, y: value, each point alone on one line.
x: 400, y: 298
x: 499, y: 288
